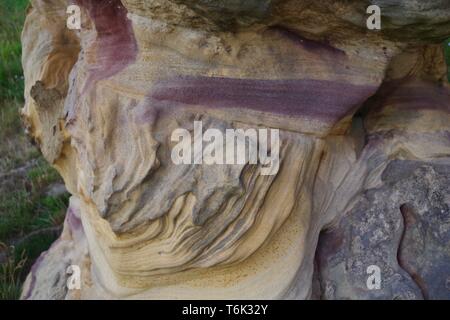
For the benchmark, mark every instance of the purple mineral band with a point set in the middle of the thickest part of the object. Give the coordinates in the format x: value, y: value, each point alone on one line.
x: 420, y: 97
x: 116, y: 45
x: 321, y: 99
x: 321, y: 48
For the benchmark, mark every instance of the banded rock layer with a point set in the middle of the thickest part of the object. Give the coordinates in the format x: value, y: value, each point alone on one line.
x: 363, y: 118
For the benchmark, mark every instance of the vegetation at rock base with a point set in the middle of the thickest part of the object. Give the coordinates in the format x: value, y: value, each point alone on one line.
x: 30, y: 216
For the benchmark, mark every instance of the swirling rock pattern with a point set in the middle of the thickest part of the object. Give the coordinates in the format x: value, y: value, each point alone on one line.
x: 364, y: 164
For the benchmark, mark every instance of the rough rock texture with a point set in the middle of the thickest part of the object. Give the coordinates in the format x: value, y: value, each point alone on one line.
x: 364, y: 166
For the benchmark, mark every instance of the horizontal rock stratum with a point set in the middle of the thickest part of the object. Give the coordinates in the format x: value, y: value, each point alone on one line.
x: 364, y: 148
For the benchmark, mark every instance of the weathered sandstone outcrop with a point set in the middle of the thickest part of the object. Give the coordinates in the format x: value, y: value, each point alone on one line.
x: 363, y: 118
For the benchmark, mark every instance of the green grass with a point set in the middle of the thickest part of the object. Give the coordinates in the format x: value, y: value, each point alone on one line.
x: 26, y: 208
x: 11, y: 273
x: 42, y: 174
x: 14, y: 150
x: 23, y: 213
x: 12, y: 15
x: 29, y: 219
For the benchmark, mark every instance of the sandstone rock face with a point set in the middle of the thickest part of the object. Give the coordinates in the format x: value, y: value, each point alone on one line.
x: 364, y: 148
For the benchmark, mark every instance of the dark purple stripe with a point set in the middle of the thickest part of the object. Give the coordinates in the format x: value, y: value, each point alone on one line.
x: 116, y: 45
x: 320, y: 48
x: 33, y: 275
x: 420, y: 97
x: 73, y: 220
x: 327, y: 100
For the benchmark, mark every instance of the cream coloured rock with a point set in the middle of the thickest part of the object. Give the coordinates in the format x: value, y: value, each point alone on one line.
x: 104, y: 101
